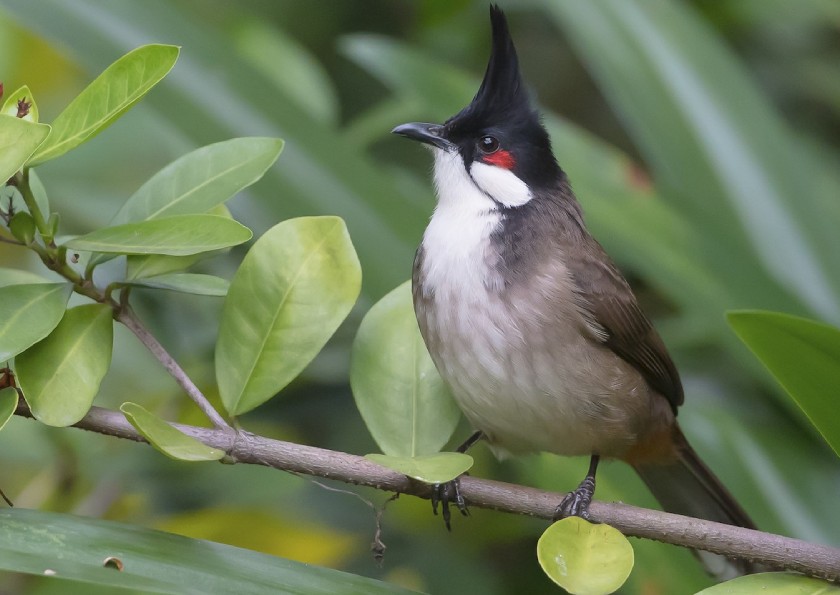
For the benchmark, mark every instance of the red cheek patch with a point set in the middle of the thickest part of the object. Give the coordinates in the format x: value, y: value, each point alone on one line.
x: 500, y: 158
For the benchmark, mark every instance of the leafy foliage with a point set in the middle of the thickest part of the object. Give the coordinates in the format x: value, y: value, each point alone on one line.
x: 706, y: 195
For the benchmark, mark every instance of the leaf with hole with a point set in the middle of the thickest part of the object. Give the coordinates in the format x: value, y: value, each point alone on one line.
x: 398, y: 391
x: 436, y: 468
x: 585, y: 558
x: 110, y: 95
x: 28, y: 313
x: 178, y: 235
x: 167, y: 439
x: 293, y: 289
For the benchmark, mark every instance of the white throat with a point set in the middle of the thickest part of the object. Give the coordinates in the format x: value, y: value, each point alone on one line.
x: 456, y: 243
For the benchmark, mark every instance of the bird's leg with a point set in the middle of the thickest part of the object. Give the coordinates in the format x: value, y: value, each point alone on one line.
x: 450, y: 492
x: 577, y: 503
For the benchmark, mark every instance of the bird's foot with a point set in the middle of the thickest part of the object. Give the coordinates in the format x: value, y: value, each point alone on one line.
x: 446, y: 494
x: 577, y: 503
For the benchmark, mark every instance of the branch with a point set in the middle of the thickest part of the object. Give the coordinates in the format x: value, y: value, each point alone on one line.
x: 242, y: 447
x: 127, y: 316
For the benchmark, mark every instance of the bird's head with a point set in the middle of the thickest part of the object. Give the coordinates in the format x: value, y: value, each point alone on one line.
x: 497, y: 143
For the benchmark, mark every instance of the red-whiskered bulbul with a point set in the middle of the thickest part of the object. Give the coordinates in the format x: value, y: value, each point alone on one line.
x: 531, y: 325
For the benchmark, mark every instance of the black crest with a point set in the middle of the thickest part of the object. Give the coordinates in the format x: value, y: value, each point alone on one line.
x: 502, y: 92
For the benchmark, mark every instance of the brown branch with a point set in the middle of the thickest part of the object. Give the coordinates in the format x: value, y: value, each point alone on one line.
x: 242, y: 447
x: 127, y: 316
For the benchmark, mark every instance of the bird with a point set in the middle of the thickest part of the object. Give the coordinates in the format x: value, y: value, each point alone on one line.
x: 531, y: 325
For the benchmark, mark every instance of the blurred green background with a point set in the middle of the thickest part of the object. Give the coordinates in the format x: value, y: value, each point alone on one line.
x: 701, y: 137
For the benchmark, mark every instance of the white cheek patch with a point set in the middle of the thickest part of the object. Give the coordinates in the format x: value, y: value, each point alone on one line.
x: 502, y: 184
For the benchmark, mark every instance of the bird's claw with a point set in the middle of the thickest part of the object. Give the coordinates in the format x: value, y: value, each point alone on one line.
x: 446, y: 494
x: 577, y: 503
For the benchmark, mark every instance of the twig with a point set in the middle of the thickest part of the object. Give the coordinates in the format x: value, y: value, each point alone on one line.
x: 764, y: 548
x: 127, y: 316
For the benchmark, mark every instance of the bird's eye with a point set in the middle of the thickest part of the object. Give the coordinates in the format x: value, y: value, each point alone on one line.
x: 488, y: 144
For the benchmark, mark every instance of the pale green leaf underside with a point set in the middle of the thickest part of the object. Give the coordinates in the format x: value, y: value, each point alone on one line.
x: 436, y: 468
x: 399, y: 393
x: 60, y: 375
x: 585, y: 558
x: 179, y: 235
x: 167, y: 439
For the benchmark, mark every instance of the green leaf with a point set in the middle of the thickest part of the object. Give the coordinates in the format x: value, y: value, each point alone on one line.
x: 152, y: 265
x: 294, y: 288
x: 10, y: 106
x: 178, y: 235
x: 167, y: 439
x: 75, y: 548
x: 436, y: 468
x: 200, y: 180
x: 22, y: 227
x: 8, y: 404
x: 19, y: 277
x: 18, y: 140
x: 585, y: 558
x: 777, y: 583
x: 402, y: 398
x: 804, y: 356
x: 39, y: 193
x: 60, y: 376
x: 186, y: 283
x: 110, y: 95
x: 28, y: 312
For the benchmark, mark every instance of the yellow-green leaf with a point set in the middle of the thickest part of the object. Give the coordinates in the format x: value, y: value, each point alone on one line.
x: 178, y: 235
x: 113, y: 92
x: 436, y: 468
x: 585, y: 558
x: 167, y: 439
x: 18, y: 140
x: 291, y: 292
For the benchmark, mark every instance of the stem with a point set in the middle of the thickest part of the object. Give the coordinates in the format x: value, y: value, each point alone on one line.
x: 32, y: 204
x: 764, y: 548
x: 127, y: 316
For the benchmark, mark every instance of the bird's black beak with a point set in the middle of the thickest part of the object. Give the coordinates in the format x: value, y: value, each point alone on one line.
x: 425, y: 133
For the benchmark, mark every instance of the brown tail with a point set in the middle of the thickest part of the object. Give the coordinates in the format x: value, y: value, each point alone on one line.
x: 688, y: 487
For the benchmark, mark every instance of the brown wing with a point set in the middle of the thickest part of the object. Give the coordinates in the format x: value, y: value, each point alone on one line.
x: 606, y: 296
